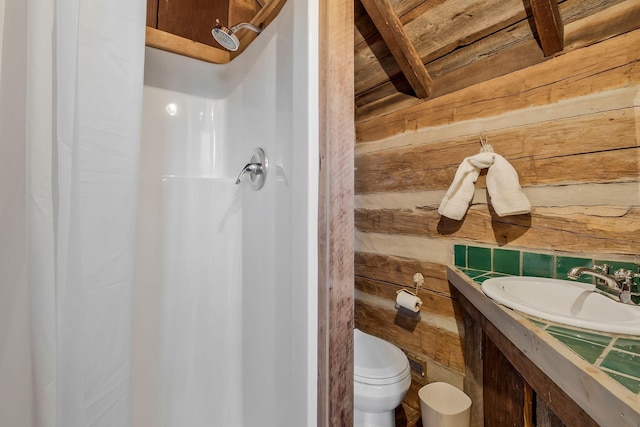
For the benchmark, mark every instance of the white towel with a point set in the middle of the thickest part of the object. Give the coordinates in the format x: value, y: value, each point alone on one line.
x: 504, y: 188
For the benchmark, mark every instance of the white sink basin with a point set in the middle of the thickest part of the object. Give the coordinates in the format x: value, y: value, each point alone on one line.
x: 562, y: 301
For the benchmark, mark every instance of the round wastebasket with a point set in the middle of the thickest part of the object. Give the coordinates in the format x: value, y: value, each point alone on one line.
x: 443, y: 405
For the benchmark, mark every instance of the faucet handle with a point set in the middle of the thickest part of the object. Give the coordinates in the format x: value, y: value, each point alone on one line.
x: 604, y: 268
x: 256, y: 169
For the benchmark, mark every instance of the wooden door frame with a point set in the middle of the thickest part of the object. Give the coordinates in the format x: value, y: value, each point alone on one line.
x: 335, y: 213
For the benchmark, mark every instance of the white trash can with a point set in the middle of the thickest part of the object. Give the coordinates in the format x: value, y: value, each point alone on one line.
x: 443, y: 405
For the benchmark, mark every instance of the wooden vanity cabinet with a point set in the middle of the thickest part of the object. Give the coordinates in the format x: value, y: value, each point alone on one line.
x: 506, y: 388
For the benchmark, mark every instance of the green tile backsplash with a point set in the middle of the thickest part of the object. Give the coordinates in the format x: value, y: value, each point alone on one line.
x: 537, y: 265
x: 506, y: 261
x: 479, y: 258
x: 617, y: 356
x: 513, y: 262
x: 460, y: 255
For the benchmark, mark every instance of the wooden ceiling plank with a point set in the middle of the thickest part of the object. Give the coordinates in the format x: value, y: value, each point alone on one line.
x: 549, y: 25
x: 396, y: 39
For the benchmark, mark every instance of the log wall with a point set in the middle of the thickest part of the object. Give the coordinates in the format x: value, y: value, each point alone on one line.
x: 570, y: 125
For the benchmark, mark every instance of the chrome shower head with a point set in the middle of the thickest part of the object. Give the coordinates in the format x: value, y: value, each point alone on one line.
x: 226, y: 36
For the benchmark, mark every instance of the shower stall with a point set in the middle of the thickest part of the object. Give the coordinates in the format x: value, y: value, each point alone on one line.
x: 139, y: 284
x: 225, y: 311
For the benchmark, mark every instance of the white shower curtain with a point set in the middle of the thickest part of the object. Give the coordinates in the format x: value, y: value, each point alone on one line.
x: 85, y: 62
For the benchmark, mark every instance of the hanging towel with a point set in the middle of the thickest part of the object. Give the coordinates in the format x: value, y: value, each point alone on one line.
x: 504, y: 188
x: 456, y: 201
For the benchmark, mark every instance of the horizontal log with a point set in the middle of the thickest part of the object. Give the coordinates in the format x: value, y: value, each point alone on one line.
x: 400, y: 270
x: 569, y: 229
x: 432, y: 303
x: 434, y: 250
x: 601, y: 167
x: 617, y: 19
x: 444, y: 347
x: 542, y: 153
x: 603, y: 66
x: 585, y: 196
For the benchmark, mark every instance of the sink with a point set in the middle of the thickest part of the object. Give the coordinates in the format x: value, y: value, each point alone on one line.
x: 562, y: 301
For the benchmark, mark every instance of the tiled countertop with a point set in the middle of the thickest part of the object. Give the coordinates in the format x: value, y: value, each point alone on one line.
x: 599, y: 371
x: 616, y: 355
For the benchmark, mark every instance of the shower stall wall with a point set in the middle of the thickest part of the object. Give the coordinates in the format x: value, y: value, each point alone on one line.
x: 226, y: 295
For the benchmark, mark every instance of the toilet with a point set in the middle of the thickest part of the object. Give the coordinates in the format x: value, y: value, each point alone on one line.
x: 381, y: 379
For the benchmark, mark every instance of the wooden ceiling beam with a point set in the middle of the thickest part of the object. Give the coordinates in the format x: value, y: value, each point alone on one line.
x: 549, y: 25
x: 404, y: 52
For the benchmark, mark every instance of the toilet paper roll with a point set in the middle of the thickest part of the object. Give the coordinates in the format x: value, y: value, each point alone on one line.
x: 408, y: 301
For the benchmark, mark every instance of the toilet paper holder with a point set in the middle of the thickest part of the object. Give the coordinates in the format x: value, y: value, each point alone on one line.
x: 405, y: 299
x: 418, y: 281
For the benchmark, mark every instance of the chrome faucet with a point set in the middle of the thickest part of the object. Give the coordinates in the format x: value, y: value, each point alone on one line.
x: 616, y: 286
x: 599, y: 271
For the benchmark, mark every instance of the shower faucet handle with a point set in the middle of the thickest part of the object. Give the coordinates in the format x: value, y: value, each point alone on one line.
x: 250, y: 168
x: 256, y: 169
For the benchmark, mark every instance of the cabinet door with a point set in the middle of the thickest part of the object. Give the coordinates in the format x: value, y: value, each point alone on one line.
x: 505, y: 401
x: 192, y: 19
x: 152, y: 13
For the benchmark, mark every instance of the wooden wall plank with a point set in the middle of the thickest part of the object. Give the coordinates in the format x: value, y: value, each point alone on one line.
x: 433, y: 303
x: 615, y: 20
x: 606, y: 65
x: 400, y: 271
x: 335, y: 214
x: 578, y: 229
x: 534, y: 151
x: 603, y: 166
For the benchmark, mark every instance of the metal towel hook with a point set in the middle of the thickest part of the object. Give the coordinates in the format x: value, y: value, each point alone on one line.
x: 484, y: 142
x: 256, y: 169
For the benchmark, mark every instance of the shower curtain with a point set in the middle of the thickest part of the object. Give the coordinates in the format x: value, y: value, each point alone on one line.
x: 84, y: 70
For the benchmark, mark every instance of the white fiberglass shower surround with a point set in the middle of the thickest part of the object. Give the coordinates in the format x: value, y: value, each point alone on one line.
x: 226, y: 294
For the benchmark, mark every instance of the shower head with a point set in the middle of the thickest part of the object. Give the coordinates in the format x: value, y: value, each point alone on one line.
x: 226, y: 36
